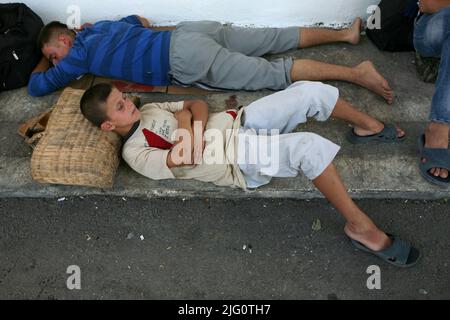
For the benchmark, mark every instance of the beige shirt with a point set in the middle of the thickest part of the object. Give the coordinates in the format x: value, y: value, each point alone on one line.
x: 150, y: 140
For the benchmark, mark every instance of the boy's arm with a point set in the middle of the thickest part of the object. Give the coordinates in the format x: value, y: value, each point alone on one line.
x: 155, y: 163
x: 199, y: 110
x: 192, y: 116
x: 150, y: 162
x: 176, y: 157
x: 433, y: 6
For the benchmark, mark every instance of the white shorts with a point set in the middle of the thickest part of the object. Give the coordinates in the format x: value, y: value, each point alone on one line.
x: 263, y: 154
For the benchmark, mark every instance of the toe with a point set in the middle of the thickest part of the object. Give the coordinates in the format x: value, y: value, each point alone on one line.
x: 389, y: 97
x: 400, y: 133
x: 386, y: 86
x: 437, y: 172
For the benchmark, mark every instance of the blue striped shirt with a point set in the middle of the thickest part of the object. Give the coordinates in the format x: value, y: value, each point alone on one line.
x: 115, y: 49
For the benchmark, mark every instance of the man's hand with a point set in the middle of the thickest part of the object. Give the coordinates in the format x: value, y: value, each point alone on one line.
x: 433, y: 6
x: 42, y: 66
x: 85, y: 25
x: 145, y: 23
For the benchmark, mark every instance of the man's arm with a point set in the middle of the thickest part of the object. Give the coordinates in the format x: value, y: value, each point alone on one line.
x: 42, y: 66
x: 146, y: 24
x: 433, y: 6
x: 45, y: 80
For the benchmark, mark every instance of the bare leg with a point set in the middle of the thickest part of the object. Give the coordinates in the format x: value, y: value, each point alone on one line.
x: 436, y: 136
x: 314, y: 36
x: 364, y: 74
x: 359, y: 226
x: 364, y: 124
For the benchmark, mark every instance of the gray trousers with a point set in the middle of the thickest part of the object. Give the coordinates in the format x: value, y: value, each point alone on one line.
x: 225, y: 57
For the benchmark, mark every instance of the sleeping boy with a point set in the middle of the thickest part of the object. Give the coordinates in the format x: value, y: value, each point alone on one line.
x: 246, y: 147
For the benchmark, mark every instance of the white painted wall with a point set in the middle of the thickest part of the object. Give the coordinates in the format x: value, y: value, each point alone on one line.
x: 257, y: 13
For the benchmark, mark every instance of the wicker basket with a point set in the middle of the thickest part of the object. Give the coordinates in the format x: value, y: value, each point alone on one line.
x: 73, y: 151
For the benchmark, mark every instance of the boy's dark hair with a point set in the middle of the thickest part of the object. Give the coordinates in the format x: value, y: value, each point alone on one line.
x: 92, y: 102
x: 51, y: 30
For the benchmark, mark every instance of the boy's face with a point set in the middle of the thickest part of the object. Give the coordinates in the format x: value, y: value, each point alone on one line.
x: 57, y: 49
x: 120, y: 111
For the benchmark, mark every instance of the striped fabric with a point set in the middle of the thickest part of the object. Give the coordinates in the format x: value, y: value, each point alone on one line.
x: 116, y: 49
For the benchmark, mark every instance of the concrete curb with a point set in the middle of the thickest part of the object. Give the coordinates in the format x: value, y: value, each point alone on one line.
x: 369, y: 171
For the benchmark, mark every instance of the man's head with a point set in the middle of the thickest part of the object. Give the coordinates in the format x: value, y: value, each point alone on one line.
x: 55, y: 41
x: 107, y: 108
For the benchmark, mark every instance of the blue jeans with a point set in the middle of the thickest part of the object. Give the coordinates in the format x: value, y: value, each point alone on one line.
x: 432, y: 39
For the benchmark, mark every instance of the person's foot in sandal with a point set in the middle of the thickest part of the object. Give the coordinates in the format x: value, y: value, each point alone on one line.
x: 435, y: 167
x: 382, y: 133
x: 359, y: 226
x: 387, y: 247
x: 365, y: 127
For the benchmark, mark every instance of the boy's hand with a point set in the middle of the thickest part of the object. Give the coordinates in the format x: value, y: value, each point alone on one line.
x: 198, y: 151
x: 194, y: 116
x: 199, y: 142
x: 183, y: 115
x: 184, y: 118
x: 433, y: 6
x: 199, y: 110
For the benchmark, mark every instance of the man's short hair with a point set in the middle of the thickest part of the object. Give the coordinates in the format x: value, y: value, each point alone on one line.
x: 50, y: 31
x: 93, y: 101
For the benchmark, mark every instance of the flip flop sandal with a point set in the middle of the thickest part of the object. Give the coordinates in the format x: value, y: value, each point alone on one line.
x: 436, y: 158
x: 400, y: 253
x: 387, y: 135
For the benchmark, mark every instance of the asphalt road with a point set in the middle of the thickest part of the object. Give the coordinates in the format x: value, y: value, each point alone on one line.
x: 212, y: 249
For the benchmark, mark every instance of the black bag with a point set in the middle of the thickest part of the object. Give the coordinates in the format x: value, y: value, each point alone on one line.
x: 397, y: 25
x: 19, y: 55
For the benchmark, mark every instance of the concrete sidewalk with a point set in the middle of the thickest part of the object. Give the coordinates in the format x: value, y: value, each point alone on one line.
x: 370, y: 171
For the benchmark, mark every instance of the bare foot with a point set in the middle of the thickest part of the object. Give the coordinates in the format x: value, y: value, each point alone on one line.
x: 436, y: 136
x: 370, y: 78
x: 373, y: 238
x: 354, y: 33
